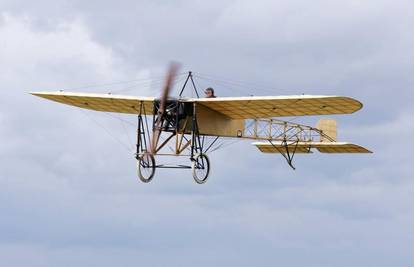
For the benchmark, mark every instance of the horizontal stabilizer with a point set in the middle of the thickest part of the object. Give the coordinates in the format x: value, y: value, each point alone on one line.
x: 342, y: 147
x: 306, y: 147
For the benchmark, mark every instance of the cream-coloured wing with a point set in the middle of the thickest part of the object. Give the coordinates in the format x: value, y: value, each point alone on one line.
x: 101, y: 102
x: 280, y: 106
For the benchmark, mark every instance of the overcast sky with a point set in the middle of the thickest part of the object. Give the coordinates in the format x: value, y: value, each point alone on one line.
x: 69, y: 194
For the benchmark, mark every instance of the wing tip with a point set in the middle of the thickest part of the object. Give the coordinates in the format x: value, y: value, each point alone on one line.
x: 42, y: 93
x: 39, y: 94
x: 368, y: 151
x: 357, y: 103
x: 35, y: 93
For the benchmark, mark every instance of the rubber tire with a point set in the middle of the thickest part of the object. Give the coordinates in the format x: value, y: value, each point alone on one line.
x: 152, y: 166
x: 193, y: 167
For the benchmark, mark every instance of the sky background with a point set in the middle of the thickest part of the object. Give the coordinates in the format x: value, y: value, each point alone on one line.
x: 69, y: 194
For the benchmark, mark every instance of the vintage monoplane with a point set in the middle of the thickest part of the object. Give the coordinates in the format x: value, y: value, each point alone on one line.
x: 188, y: 122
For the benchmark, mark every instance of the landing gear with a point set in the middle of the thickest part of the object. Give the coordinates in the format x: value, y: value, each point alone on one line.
x: 201, y: 168
x: 146, y: 167
x: 178, y: 119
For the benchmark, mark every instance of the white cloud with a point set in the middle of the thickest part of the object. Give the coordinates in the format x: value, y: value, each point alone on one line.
x: 66, y: 55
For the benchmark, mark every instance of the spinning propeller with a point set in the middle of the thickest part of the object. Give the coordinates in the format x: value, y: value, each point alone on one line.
x: 172, y: 72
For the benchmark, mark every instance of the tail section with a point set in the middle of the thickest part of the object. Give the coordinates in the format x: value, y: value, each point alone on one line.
x: 327, y: 143
x: 329, y: 130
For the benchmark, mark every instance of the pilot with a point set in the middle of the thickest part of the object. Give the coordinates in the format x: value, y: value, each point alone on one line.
x: 209, y: 92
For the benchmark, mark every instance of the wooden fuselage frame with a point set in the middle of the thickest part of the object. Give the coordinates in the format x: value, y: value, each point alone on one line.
x: 186, y: 127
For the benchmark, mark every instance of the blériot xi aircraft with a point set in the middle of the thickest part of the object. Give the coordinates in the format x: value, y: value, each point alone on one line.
x: 188, y: 122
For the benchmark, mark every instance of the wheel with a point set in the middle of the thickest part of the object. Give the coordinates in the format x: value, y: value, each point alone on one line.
x: 201, y: 168
x: 146, y: 167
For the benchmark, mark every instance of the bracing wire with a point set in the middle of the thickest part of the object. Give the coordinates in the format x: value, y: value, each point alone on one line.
x: 141, y: 80
x: 106, y: 130
x: 242, y: 84
x: 123, y: 123
x: 152, y: 86
x: 243, y: 90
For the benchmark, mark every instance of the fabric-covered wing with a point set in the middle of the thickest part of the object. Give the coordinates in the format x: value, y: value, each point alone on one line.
x: 305, y: 147
x: 101, y: 102
x: 280, y: 106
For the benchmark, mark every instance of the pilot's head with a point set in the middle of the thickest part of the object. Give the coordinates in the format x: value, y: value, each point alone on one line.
x: 209, y: 92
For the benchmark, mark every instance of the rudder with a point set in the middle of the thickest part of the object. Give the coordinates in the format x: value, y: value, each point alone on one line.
x: 329, y: 130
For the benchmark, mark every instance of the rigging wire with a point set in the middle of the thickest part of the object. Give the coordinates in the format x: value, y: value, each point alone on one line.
x: 150, y: 85
x: 225, y: 144
x: 125, y: 146
x: 226, y: 85
x: 119, y: 118
x: 245, y: 84
x: 161, y: 78
x: 123, y: 123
